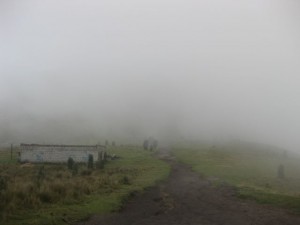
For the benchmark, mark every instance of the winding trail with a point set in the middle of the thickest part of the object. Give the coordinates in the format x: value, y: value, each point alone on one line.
x: 186, y: 198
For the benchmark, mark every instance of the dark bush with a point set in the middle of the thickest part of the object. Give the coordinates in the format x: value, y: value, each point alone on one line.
x: 146, y: 144
x: 70, y: 163
x: 40, y: 176
x: 91, y: 162
x: 125, y: 180
x: 45, y: 196
x: 3, y: 183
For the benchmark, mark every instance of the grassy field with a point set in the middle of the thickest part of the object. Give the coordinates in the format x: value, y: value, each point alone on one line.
x: 8, y: 157
x: 52, y: 194
x: 251, y: 168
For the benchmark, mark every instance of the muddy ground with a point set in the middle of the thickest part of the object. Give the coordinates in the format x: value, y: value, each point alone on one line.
x: 186, y: 198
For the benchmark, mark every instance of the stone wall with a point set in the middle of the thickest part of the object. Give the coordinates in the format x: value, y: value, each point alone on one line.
x: 58, y: 153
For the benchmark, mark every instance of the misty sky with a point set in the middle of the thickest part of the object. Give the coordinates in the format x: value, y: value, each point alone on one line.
x: 80, y: 71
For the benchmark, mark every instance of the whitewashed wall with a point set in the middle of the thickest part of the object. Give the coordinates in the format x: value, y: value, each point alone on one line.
x: 58, y: 153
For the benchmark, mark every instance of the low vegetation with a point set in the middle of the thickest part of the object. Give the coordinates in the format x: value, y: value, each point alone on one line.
x: 65, y: 193
x: 265, y: 174
x: 7, y: 156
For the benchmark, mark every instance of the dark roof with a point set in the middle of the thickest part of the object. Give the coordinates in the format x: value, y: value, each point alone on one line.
x: 39, y: 145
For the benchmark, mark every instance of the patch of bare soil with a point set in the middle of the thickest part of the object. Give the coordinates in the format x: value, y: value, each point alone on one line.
x: 186, y: 198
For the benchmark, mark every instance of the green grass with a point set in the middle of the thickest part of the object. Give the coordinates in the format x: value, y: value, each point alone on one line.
x: 8, y: 157
x: 253, y: 170
x: 60, y: 198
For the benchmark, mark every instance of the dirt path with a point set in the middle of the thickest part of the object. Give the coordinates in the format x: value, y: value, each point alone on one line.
x: 186, y: 198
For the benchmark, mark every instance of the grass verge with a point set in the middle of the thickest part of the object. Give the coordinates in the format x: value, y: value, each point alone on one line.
x: 251, y: 169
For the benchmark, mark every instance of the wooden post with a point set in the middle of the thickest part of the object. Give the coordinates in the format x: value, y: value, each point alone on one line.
x: 11, y: 151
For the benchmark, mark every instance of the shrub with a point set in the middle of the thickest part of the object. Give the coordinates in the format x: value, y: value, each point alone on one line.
x: 45, y: 196
x: 70, y: 163
x: 3, y: 183
x: 125, y: 180
x: 91, y: 161
x: 40, y: 176
x: 41, y: 173
x: 145, y: 144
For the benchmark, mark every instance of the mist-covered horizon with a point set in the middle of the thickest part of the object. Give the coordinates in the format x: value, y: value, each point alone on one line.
x: 82, y: 71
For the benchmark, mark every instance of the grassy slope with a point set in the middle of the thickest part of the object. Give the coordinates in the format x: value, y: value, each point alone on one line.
x: 252, y: 170
x: 139, y: 166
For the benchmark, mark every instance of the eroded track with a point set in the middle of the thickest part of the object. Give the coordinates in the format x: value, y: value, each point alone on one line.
x: 186, y: 198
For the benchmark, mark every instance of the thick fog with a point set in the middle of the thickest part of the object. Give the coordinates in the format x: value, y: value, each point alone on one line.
x: 78, y: 71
